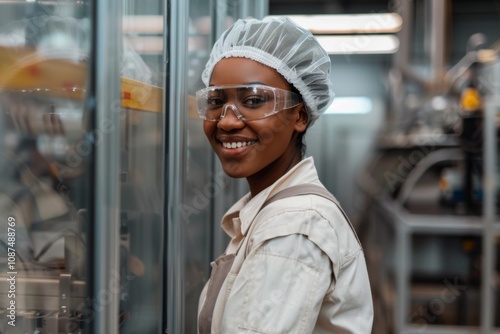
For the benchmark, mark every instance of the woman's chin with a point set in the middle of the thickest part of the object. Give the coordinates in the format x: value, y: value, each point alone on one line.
x: 234, y: 170
x: 234, y: 174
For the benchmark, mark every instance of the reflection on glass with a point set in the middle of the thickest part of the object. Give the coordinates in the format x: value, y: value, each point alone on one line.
x: 45, y: 179
x: 198, y: 185
x: 207, y: 191
x: 43, y: 167
x: 141, y: 173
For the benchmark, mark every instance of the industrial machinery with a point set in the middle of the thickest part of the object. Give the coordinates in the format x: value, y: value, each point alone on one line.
x: 431, y: 228
x: 46, y: 177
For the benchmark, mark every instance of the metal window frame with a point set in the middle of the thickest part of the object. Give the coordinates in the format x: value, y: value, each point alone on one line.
x: 176, y: 16
x: 103, y: 105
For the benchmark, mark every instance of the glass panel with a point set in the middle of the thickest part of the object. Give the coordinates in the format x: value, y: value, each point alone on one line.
x: 208, y: 192
x: 142, y: 153
x: 44, y: 178
x: 496, y: 310
x: 199, y: 187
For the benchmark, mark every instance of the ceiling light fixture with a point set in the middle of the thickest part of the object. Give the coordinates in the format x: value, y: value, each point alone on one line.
x: 359, y: 44
x: 350, y: 105
x: 350, y: 23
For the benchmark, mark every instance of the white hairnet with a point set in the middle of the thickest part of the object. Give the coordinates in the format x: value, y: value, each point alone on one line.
x: 288, y: 48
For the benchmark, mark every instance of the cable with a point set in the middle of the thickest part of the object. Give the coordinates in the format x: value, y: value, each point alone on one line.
x: 54, y: 240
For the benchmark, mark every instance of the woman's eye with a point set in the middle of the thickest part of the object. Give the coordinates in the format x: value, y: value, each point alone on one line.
x: 254, y: 101
x: 214, y: 102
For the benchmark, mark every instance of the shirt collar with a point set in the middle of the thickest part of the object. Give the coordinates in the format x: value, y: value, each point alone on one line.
x: 245, y: 210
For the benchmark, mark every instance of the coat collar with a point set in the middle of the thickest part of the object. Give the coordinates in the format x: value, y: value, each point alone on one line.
x: 239, y: 217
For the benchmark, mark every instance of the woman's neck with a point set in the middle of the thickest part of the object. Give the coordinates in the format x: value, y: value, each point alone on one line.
x: 271, y: 173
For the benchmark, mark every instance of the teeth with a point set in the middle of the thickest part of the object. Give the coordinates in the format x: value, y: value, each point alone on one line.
x: 238, y: 144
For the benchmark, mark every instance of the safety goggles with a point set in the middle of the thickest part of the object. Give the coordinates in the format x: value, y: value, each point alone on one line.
x: 249, y: 102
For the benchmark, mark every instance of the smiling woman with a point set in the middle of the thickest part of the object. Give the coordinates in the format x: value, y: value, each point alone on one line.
x: 294, y: 265
x: 271, y: 151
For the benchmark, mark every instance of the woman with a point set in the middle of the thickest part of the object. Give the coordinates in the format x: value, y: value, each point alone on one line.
x: 294, y: 265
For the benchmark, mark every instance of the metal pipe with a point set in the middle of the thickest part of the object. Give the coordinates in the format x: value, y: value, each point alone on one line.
x: 402, y: 58
x: 403, y: 251
x: 492, y: 109
x: 436, y: 46
x: 103, y: 94
x: 437, y: 43
x: 402, y: 70
x: 178, y: 19
x: 404, y: 8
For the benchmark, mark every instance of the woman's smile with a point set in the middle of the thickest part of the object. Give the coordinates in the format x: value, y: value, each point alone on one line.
x: 239, y: 144
x: 232, y: 148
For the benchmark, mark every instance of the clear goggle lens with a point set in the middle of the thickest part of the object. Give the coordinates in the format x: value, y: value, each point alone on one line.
x: 249, y: 102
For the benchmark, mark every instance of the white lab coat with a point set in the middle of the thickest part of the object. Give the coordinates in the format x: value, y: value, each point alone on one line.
x: 299, y: 269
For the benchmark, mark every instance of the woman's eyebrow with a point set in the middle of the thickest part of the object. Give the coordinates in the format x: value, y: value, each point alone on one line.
x: 245, y: 84
x: 255, y: 83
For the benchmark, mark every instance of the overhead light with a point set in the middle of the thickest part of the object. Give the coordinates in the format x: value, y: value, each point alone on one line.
x: 350, y: 105
x: 359, y: 44
x: 350, y: 23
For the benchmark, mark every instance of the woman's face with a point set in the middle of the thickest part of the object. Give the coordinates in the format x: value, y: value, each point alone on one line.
x: 268, y: 148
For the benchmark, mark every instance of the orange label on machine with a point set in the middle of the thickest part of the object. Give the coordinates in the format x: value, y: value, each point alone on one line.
x: 470, y: 99
x: 141, y: 96
x: 25, y: 70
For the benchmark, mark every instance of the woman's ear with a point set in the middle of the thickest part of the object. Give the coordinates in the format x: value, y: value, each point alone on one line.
x: 301, y: 119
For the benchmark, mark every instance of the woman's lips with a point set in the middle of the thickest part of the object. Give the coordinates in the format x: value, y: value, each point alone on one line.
x: 236, y: 147
x: 237, y: 144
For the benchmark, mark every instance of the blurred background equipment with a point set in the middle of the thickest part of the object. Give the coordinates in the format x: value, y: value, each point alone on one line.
x: 430, y: 227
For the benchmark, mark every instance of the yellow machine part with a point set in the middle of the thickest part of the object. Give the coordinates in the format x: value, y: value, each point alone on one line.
x: 25, y: 70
